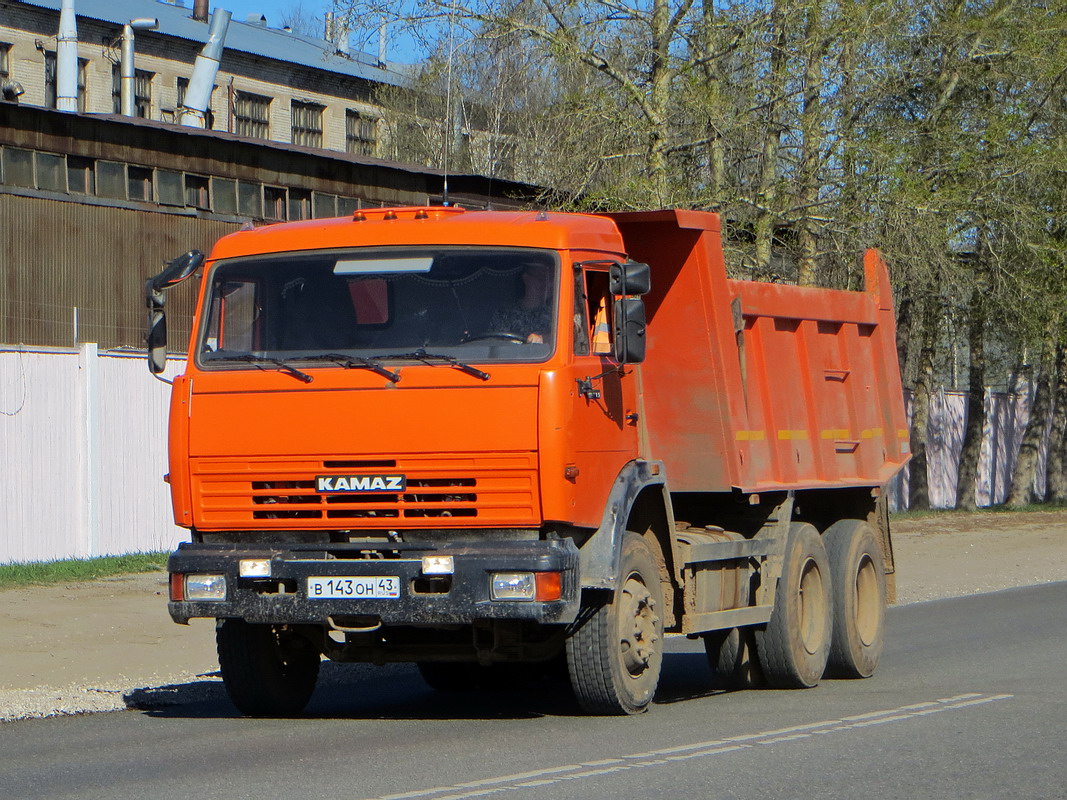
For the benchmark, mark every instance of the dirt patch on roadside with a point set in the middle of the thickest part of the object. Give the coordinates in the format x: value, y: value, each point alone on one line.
x: 952, y: 555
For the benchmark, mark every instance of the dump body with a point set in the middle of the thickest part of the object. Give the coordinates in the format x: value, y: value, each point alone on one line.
x: 442, y: 436
x: 761, y: 386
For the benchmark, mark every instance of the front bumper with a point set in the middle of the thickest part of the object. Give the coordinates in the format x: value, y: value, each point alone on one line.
x: 283, y: 597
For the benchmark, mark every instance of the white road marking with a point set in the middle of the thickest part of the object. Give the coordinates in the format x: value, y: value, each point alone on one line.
x: 654, y: 758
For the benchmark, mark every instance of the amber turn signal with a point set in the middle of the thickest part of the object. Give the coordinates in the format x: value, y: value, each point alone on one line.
x: 549, y: 586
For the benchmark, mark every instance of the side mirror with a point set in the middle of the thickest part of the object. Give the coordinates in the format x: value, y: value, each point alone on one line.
x: 157, y: 340
x: 176, y: 271
x: 630, y: 278
x: 629, y: 333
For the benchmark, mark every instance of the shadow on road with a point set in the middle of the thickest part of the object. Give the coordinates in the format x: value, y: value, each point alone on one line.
x: 396, y: 691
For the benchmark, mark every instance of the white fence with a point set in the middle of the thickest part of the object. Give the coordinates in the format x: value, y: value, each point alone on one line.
x: 1006, y: 418
x: 83, y: 448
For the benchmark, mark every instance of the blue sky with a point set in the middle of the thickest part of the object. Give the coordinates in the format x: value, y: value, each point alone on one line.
x: 276, y: 10
x: 273, y: 10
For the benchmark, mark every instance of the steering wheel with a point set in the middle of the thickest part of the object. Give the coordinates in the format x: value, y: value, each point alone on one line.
x: 511, y: 337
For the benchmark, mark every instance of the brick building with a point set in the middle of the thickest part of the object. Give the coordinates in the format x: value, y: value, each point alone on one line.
x: 272, y: 84
x: 92, y: 202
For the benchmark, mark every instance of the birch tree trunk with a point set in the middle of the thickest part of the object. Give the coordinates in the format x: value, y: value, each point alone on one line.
x: 767, y: 191
x: 1057, y: 450
x: 919, y: 485
x: 1024, y: 477
x: 967, y: 483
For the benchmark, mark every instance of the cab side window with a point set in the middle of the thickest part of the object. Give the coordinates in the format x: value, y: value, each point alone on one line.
x: 596, y: 313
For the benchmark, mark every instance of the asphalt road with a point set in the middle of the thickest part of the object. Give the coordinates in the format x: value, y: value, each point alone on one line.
x: 969, y: 703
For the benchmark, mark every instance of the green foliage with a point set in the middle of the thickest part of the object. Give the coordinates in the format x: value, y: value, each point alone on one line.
x: 16, y: 575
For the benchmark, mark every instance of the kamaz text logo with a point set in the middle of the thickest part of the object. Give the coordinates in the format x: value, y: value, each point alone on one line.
x: 360, y: 483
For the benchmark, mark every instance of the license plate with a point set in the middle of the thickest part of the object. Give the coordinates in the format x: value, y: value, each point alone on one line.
x: 380, y: 587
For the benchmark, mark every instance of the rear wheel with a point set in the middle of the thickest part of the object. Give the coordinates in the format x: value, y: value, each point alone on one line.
x: 732, y: 657
x: 794, y: 646
x: 614, y: 657
x: 267, y: 670
x: 857, y: 573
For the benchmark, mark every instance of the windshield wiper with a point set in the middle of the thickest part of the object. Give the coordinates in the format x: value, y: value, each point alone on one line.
x: 257, y: 362
x: 430, y: 358
x: 358, y: 362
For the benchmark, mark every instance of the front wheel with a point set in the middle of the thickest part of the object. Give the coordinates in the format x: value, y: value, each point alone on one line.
x: 268, y: 670
x: 795, y: 644
x: 614, y: 657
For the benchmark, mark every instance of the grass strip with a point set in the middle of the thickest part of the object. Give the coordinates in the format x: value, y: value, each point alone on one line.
x: 999, y: 509
x: 13, y: 576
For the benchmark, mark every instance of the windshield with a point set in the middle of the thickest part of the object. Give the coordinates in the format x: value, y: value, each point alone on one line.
x: 482, y: 305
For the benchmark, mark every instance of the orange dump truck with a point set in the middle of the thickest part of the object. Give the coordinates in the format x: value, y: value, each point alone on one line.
x: 480, y: 441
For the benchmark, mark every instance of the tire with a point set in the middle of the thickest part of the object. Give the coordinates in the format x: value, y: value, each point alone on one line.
x: 794, y: 646
x: 857, y: 574
x: 732, y: 657
x: 615, y: 656
x: 267, y: 671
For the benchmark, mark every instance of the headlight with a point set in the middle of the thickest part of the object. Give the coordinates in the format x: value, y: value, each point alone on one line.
x: 205, y: 587
x: 512, y: 586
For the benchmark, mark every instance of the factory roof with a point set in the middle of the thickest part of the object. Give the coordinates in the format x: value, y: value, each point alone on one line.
x: 247, y: 36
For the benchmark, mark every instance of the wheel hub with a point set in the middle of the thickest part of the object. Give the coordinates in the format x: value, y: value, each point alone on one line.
x: 639, y: 623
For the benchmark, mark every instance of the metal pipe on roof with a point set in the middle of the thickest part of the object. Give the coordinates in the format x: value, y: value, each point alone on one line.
x: 200, y: 10
x: 198, y: 95
x: 67, y: 58
x: 127, y: 73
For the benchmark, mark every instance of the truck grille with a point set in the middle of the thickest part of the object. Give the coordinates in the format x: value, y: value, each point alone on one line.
x: 498, y: 490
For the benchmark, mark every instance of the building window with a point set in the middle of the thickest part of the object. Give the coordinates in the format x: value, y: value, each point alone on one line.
x: 361, y: 133
x: 251, y: 115
x: 249, y: 199
x: 225, y: 195
x: 111, y: 179
x: 170, y: 188
x: 273, y: 202
x: 347, y: 206
x: 299, y: 204
x: 18, y: 167
x: 323, y: 205
x: 307, y: 123
x: 51, y: 172
x: 142, y: 91
x: 81, y: 175
x: 50, y: 90
x: 5, y: 54
x: 196, y: 192
x: 140, y: 183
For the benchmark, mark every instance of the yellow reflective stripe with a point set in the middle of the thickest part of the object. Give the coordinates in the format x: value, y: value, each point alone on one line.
x: 835, y: 433
x: 872, y: 433
x: 750, y: 436
x: 792, y: 434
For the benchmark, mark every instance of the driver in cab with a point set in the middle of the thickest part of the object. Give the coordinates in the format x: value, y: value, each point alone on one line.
x: 531, y: 317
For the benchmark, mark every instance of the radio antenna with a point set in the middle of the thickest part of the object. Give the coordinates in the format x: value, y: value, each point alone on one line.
x: 449, y: 130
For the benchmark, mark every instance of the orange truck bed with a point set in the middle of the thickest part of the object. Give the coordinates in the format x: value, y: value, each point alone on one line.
x: 761, y: 386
